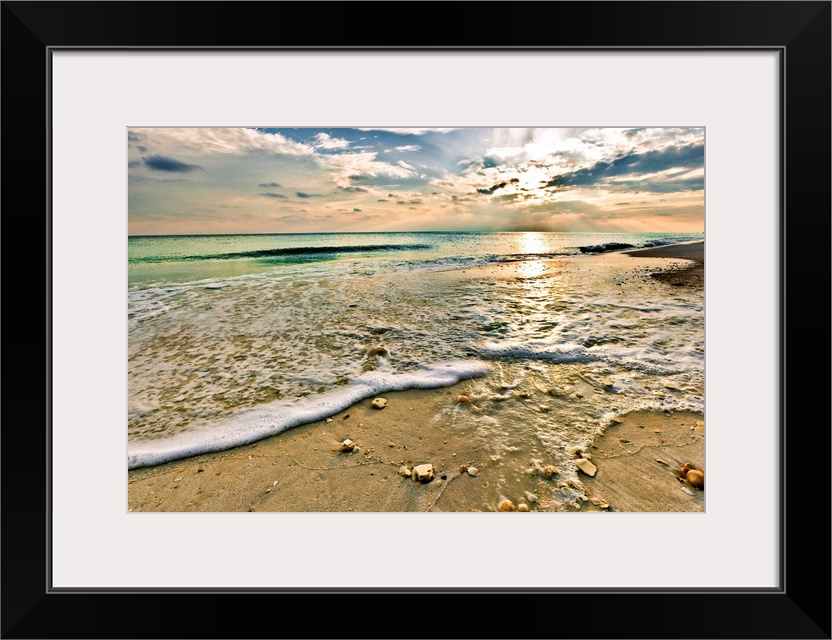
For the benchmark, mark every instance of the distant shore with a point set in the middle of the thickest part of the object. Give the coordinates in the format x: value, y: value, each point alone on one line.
x: 637, y: 458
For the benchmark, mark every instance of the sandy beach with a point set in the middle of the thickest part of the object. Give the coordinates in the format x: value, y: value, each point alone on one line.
x: 633, y: 465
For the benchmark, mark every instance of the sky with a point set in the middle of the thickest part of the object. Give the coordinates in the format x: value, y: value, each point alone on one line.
x: 262, y: 180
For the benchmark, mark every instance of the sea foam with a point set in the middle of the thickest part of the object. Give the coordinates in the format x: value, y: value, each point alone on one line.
x: 276, y: 417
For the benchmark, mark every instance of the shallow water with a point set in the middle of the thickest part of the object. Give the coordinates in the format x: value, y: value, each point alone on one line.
x: 553, y: 349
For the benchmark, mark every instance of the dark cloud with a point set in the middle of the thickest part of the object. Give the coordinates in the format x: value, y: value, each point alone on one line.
x: 163, y: 163
x: 134, y: 163
x: 409, y: 202
x: 382, y: 200
x: 141, y: 149
x: 491, y: 190
x: 657, y: 186
x: 301, y: 194
x: 353, y: 189
x: 681, y: 157
x: 274, y: 185
x: 270, y: 194
x: 356, y: 210
x: 133, y: 137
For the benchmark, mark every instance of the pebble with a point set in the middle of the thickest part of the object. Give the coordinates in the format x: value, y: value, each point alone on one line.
x: 586, y: 466
x: 579, y: 395
x: 506, y: 505
x: 177, y: 479
x: 346, y: 446
x: 391, y: 444
x: 522, y: 507
x: 687, y: 491
x: 274, y: 484
x: 600, y: 503
x: 328, y: 420
x: 422, y: 473
x: 473, y: 471
x: 404, y: 472
x: 463, y: 399
x: 696, y: 478
x: 532, y: 498
x: 543, y: 408
x: 379, y: 403
x: 659, y: 460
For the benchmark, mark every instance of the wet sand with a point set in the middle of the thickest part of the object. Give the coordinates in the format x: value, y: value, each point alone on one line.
x: 637, y: 459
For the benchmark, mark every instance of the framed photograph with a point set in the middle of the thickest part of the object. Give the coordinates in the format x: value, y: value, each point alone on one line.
x: 469, y: 222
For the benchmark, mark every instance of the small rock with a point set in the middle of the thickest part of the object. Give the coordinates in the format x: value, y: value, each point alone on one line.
x: 624, y: 441
x: 379, y: 403
x: 177, y: 479
x: 696, y: 478
x: 522, y: 507
x: 269, y: 490
x: 532, y: 498
x: 616, y: 421
x: 391, y: 444
x: 463, y: 399
x: 274, y: 484
x: 600, y: 503
x: 473, y: 471
x: 200, y: 470
x: 328, y: 420
x: 660, y: 461
x: 346, y: 446
x: 404, y: 472
x: 543, y: 408
x: 687, y: 491
x: 586, y: 466
x: 506, y: 505
x: 422, y: 473
x: 579, y: 395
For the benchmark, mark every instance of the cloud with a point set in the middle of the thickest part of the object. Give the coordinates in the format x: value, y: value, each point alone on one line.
x: 356, y: 210
x: 270, y: 194
x: 326, y: 141
x: 405, y: 148
x: 638, y: 164
x: 301, y: 194
x: 268, y: 184
x: 163, y: 163
x: 353, y: 189
x: 492, y: 189
x: 416, y: 131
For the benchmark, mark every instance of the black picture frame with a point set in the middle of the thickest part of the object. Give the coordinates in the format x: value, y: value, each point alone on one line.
x: 799, y: 608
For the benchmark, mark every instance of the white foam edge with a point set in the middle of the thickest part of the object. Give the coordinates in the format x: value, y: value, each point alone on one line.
x: 253, y: 425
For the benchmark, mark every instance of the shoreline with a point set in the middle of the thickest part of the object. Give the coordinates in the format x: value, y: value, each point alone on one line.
x: 299, y: 470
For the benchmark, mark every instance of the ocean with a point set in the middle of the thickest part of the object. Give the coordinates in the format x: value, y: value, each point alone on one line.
x: 233, y: 338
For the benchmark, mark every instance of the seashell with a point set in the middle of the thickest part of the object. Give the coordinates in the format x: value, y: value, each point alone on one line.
x: 532, y: 498
x: 522, y: 507
x: 473, y: 471
x: 659, y: 460
x: 506, y: 505
x: 600, y: 503
x: 379, y: 403
x: 687, y: 491
x: 346, y: 446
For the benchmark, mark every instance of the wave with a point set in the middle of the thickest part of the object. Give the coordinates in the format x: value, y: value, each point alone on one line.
x: 285, y: 252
